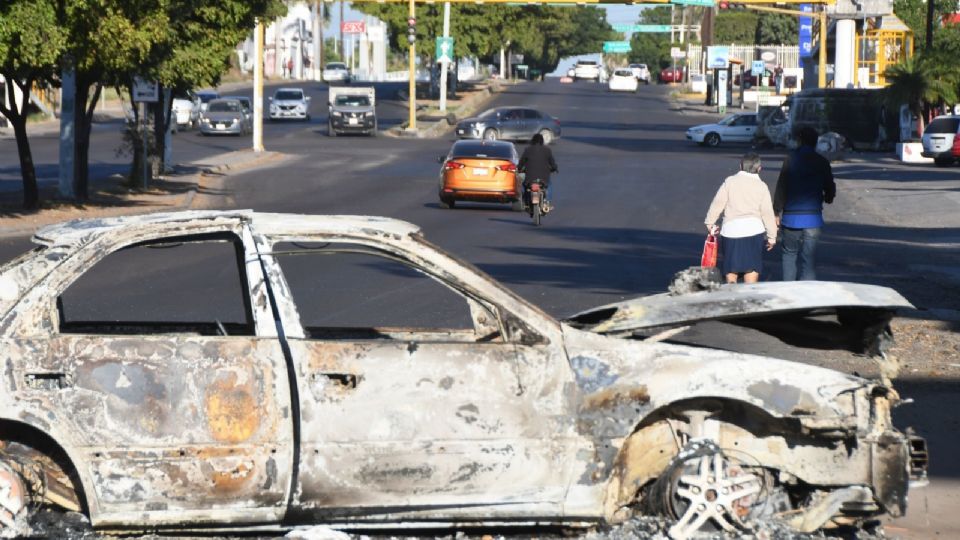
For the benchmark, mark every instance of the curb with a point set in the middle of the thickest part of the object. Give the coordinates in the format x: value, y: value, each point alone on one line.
x: 186, y: 199
x: 437, y: 129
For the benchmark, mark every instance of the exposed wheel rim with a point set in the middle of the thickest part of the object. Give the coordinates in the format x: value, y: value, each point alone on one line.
x: 490, y: 134
x: 547, y: 136
x: 712, y: 139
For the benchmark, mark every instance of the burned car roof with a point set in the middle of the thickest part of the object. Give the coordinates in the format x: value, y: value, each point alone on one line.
x: 81, y: 230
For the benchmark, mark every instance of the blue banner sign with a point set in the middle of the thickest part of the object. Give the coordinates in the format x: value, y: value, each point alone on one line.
x: 806, y: 33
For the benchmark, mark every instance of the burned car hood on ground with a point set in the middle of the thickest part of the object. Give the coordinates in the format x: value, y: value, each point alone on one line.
x: 863, y: 312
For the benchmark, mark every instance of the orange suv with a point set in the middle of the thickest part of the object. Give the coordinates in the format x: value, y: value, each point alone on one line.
x: 481, y: 171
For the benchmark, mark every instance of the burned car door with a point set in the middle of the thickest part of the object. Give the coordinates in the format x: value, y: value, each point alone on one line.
x: 412, y: 401
x: 156, y: 368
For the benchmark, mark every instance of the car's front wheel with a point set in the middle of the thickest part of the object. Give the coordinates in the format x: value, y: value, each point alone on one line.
x: 547, y: 136
x: 712, y: 140
x: 491, y: 134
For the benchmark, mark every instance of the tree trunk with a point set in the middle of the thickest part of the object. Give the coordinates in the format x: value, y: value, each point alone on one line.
x: 18, y: 120
x: 85, y: 104
x: 136, y: 142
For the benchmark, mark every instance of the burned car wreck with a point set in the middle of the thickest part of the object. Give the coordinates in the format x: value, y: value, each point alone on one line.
x: 290, y: 398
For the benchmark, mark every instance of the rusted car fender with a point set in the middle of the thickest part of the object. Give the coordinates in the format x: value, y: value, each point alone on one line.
x: 627, y: 388
x: 37, y: 451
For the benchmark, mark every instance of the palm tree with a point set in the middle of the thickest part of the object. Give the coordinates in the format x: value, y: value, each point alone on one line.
x: 921, y: 81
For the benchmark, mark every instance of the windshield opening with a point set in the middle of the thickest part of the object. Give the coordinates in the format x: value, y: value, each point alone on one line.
x: 224, y: 106
x: 288, y: 95
x: 488, y: 113
x: 726, y: 121
x: 353, y: 101
x: 944, y: 125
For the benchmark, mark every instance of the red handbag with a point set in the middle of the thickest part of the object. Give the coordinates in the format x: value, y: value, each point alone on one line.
x: 709, y: 257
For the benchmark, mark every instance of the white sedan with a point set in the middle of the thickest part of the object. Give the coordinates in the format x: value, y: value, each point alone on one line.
x: 739, y: 127
x: 336, y: 72
x: 623, y: 80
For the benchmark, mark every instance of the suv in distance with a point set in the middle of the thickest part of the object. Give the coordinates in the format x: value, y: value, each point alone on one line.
x: 641, y: 72
x: 586, y: 69
x: 941, y: 140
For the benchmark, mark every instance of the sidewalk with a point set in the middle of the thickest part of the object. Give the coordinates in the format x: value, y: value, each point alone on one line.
x: 197, y: 184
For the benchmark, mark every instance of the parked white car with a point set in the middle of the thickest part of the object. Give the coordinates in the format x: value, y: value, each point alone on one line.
x: 641, y: 72
x: 289, y: 103
x: 182, y: 112
x: 940, y: 140
x: 336, y: 72
x: 623, y: 80
x: 739, y: 127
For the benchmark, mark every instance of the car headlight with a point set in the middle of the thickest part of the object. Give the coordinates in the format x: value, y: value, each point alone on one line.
x: 369, y: 113
x: 336, y: 113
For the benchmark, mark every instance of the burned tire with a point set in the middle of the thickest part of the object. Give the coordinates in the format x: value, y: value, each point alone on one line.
x: 14, y: 499
x: 704, y: 490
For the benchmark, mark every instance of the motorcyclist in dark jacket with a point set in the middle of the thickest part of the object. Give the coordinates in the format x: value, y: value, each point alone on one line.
x: 537, y: 163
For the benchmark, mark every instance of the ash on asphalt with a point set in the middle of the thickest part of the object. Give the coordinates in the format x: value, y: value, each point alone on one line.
x: 74, y: 526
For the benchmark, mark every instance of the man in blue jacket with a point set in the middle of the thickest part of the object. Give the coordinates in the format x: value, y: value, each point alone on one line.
x: 805, y: 183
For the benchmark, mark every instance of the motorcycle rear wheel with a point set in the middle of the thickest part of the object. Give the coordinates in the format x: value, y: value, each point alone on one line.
x: 536, y: 214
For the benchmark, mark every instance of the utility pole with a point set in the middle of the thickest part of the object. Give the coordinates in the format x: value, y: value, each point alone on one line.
x: 443, y: 62
x: 706, y: 29
x: 929, y: 36
x: 412, y: 89
x: 822, y: 68
x: 317, y: 38
x: 258, y: 87
x: 342, y: 54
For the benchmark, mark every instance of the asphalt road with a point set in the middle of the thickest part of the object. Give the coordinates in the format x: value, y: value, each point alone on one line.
x: 630, y: 199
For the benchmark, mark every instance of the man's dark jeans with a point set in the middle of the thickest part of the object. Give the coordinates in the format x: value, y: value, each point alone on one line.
x: 798, y: 246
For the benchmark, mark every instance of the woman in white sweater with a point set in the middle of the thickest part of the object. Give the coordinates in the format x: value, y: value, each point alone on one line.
x: 749, y: 225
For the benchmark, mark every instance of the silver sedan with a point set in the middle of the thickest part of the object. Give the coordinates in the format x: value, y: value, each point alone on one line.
x: 226, y: 117
x: 515, y: 123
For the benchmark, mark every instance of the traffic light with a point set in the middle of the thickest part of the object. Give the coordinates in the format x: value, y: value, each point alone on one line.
x: 411, y: 30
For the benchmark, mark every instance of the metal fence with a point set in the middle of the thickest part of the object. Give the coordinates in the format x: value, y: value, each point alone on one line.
x: 788, y: 56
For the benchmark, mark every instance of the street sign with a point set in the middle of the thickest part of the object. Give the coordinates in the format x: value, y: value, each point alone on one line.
x: 444, y: 49
x: 616, y: 46
x: 353, y: 27
x: 631, y: 28
x: 707, y: 3
x: 806, y: 33
x: 675, y: 52
x: 718, y: 56
x: 145, y: 91
x: 757, y: 67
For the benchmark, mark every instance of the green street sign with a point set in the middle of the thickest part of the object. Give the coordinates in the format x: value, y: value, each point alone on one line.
x: 444, y: 49
x: 708, y: 3
x: 616, y: 46
x: 631, y: 28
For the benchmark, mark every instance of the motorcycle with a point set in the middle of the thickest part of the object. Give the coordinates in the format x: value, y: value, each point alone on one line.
x: 534, y: 200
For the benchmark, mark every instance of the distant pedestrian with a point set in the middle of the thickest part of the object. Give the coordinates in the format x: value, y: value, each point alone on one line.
x: 805, y: 183
x: 749, y: 226
x: 290, y: 67
x: 283, y: 67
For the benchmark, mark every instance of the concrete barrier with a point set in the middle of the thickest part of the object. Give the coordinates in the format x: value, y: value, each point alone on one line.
x: 911, y: 153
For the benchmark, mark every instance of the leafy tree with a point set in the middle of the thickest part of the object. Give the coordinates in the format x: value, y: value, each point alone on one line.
x: 652, y: 49
x: 777, y: 29
x: 30, y: 46
x: 914, y: 14
x: 735, y: 27
x: 543, y: 34
x: 918, y: 81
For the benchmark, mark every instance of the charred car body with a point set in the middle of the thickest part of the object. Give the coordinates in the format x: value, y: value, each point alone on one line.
x: 290, y: 412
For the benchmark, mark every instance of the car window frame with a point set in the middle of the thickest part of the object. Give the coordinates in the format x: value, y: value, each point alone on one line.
x: 514, y: 328
x: 46, y: 321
